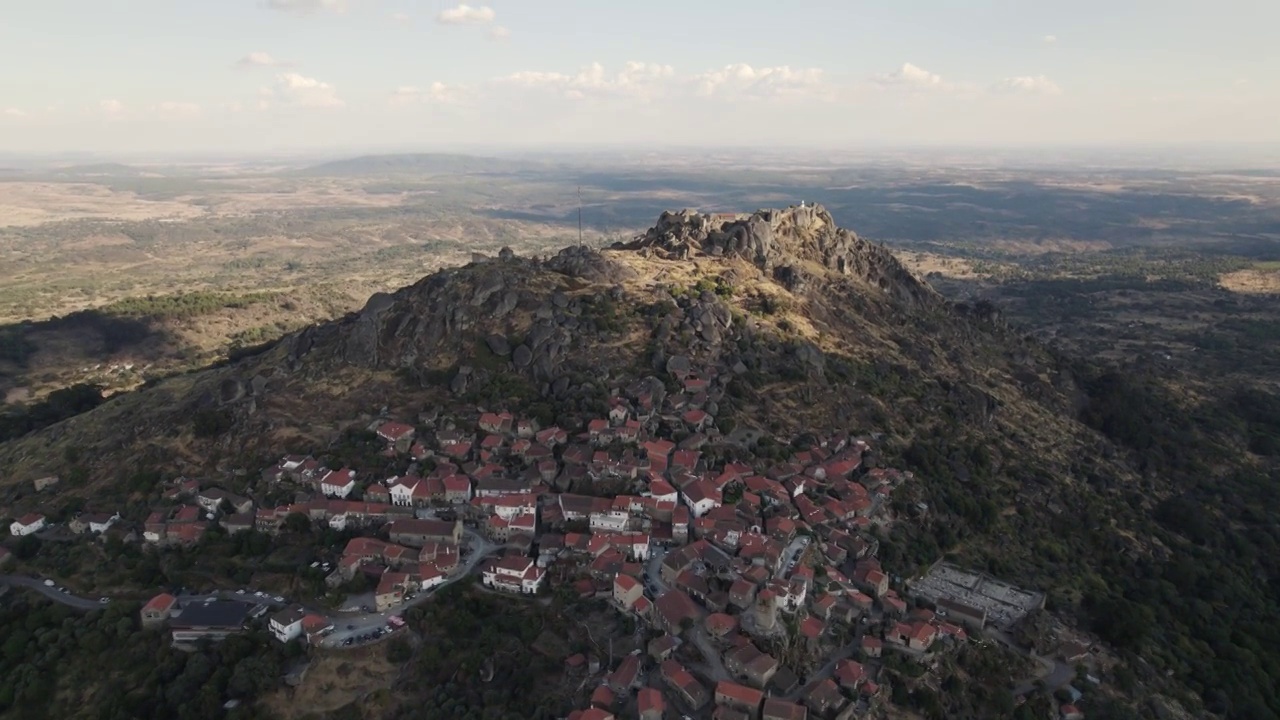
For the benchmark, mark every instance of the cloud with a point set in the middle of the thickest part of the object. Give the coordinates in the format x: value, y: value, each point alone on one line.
x: 170, y: 110
x: 300, y: 91
x: 13, y: 112
x: 438, y: 92
x: 1050, y: 39
x: 466, y: 15
x: 744, y: 80
x: 1028, y: 84
x: 112, y: 109
x: 305, y: 7
x: 913, y: 76
x: 499, y: 33
x: 260, y: 59
x: 402, y: 18
x: 636, y: 80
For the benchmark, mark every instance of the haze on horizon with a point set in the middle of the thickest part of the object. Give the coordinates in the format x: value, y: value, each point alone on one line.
x: 254, y: 76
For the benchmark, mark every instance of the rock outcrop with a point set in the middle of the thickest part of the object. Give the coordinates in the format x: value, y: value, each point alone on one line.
x: 781, y: 242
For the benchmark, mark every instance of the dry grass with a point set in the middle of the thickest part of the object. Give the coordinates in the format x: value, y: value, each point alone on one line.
x: 335, y: 679
x: 1253, y: 281
x: 28, y: 204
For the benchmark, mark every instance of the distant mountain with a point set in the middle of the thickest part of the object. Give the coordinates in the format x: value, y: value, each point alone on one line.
x: 415, y: 164
x: 99, y: 170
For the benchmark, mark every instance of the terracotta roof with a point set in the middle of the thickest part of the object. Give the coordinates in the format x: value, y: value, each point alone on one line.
x: 161, y: 602
x: 739, y: 693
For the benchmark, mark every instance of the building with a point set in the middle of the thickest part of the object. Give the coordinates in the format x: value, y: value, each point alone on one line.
x: 776, y: 709
x: 684, y: 685
x: 514, y: 573
x: 394, y: 432
x: 45, y: 482
x: 739, y: 697
x: 626, y: 591
x: 675, y: 611
x: 287, y: 624
x: 391, y: 590
x: 338, y: 483
x: 157, y: 610
x: 212, y: 620
x: 650, y: 704
x: 416, y: 533
x: 27, y: 524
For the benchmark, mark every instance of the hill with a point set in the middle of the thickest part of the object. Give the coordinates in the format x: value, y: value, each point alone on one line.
x: 1043, y: 470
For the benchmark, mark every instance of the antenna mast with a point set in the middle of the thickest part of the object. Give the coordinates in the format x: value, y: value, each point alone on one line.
x: 579, y: 214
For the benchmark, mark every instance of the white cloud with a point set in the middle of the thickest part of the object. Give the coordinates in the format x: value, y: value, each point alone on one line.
x: 300, y: 91
x: 260, y: 59
x: 1050, y: 39
x: 499, y: 33
x: 744, y: 80
x: 305, y: 7
x: 913, y: 76
x: 635, y: 80
x: 1035, y: 85
x: 112, y: 109
x: 437, y: 92
x: 14, y: 113
x: 466, y: 15
x: 170, y: 110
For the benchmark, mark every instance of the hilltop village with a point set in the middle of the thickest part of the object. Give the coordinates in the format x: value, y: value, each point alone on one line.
x: 756, y: 585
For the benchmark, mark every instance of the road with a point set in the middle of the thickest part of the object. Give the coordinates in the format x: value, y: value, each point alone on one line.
x: 791, y: 555
x: 710, y: 655
x: 653, y: 569
x: 1055, y: 673
x: 363, y: 623
x: 78, y: 603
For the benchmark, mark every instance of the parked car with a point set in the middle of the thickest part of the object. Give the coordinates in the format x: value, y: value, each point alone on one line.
x: 49, y: 583
x: 278, y: 599
x: 104, y: 600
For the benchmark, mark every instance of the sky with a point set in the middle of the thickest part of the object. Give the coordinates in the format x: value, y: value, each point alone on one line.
x: 268, y: 76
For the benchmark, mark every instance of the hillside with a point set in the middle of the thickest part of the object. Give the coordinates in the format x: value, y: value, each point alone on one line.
x: 806, y: 329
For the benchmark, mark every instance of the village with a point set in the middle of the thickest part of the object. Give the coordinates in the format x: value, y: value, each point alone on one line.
x: 755, y: 586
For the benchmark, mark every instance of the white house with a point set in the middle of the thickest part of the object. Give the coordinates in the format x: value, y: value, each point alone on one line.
x: 99, y: 524
x: 516, y: 574
x: 431, y: 576
x: 611, y: 521
x: 403, y: 490
x: 338, y: 483
x: 701, y: 497
x: 287, y: 624
x: 27, y: 524
x: 338, y: 522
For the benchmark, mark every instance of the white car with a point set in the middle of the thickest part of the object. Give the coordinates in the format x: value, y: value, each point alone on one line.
x: 240, y: 591
x: 278, y: 599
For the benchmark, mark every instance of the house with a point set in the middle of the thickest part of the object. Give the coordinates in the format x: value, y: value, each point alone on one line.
x: 211, y: 500
x: 316, y: 627
x: 514, y: 573
x: 850, y: 674
x: 416, y: 533
x: 457, y: 489
x: 157, y: 610
x: 603, y: 698
x: 777, y: 709
x: 872, y: 647
x: 662, y: 647
x: 212, y: 621
x: 239, y: 522
x: 391, y: 589
x: 739, y: 697
x: 626, y: 591
x: 675, y: 610
x: 45, y: 483
x: 286, y: 624
x: 626, y: 676
x: 683, y: 684
x: 751, y: 665
x: 27, y: 524
x: 1070, y: 712
x: 338, y: 483
x: 394, y: 432
x: 650, y: 705
x: 824, y: 698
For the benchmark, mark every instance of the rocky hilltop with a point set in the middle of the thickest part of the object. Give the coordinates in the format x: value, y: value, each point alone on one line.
x: 783, y: 243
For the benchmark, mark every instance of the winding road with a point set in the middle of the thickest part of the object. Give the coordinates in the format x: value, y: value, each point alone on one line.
x: 38, y: 585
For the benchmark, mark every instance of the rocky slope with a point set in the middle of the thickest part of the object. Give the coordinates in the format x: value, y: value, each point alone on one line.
x: 805, y: 326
